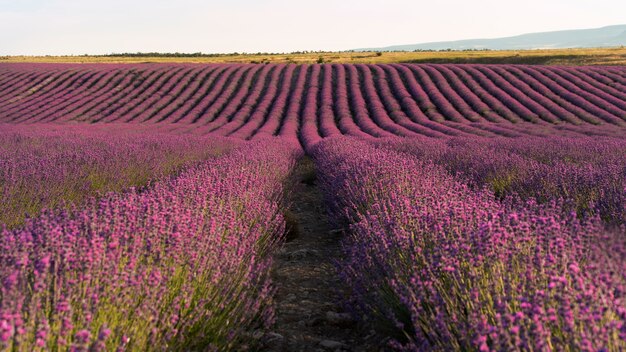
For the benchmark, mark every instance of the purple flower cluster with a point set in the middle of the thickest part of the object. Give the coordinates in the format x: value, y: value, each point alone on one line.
x: 447, y: 266
x: 183, y: 265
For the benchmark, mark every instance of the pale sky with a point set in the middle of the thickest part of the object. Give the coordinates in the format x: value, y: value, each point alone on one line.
x: 38, y: 27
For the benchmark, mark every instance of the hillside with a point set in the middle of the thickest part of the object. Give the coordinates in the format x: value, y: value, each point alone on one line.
x: 609, y: 36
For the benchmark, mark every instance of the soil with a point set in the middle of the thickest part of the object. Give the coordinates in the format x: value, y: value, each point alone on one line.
x: 309, y: 313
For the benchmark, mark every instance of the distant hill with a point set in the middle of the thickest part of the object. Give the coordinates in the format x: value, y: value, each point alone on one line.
x: 578, y: 38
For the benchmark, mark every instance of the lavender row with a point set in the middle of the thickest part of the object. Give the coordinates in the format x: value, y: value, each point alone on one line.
x: 209, y: 96
x: 377, y: 109
x: 183, y: 265
x: 345, y: 122
x: 48, y: 87
x: 220, y: 113
x: 359, y: 105
x: 402, y: 109
x: 290, y: 121
x: 66, y: 106
x: 265, y: 119
x: 139, y: 100
x: 92, y: 104
x: 438, y: 265
x: 257, y: 101
x: 589, y: 174
x: 326, y: 112
x: 47, y: 166
x: 58, y: 94
x: 153, y: 110
x: 309, y: 130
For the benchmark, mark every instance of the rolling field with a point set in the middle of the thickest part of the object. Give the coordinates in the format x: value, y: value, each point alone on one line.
x: 279, y: 207
x: 311, y: 102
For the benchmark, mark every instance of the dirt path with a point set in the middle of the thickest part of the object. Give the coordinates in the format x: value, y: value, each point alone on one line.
x: 309, y: 292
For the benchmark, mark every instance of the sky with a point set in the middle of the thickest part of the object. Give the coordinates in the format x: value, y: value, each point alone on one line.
x: 76, y: 27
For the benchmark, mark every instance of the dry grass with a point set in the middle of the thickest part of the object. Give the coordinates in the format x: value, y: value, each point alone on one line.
x: 600, y: 56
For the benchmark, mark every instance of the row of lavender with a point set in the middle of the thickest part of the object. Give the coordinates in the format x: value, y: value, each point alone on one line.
x: 45, y: 166
x: 586, y: 175
x: 441, y: 265
x: 373, y: 100
x: 183, y: 265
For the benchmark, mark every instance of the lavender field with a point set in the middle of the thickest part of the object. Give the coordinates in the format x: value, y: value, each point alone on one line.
x: 167, y: 207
